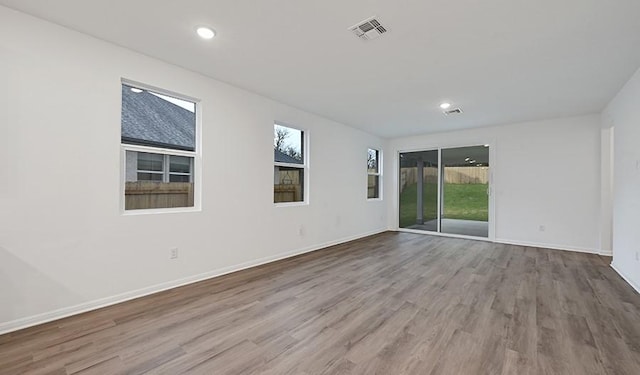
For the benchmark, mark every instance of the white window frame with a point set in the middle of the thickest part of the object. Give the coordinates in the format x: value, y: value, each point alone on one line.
x: 304, y: 166
x: 377, y: 173
x: 196, y: 155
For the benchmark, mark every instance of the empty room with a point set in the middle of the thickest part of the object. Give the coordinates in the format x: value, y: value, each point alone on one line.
x: 329, y: 187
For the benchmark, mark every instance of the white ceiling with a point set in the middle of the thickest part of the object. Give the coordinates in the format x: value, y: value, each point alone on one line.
x: 501, y: 61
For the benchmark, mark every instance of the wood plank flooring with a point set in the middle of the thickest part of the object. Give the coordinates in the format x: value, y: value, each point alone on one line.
x: 395, y: 303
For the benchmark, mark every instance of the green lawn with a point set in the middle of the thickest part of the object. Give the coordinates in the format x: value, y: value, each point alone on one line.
x: 461, y: 201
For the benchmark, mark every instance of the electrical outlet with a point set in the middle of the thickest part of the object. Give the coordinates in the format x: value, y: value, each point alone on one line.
x: 542, y: 228
x: 173, y: 253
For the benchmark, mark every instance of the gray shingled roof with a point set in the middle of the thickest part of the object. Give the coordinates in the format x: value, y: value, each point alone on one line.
x: 151, y: 121
x: 281, y: 157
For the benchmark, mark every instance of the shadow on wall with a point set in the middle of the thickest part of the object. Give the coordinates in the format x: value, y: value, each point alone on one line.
x: 25, y: 291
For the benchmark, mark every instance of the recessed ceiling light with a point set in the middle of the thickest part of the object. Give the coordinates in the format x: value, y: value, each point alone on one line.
x: 137, y: 91
x: 205, y: 32
x: 472, y: 161
x: 445, y: 105
x: 486, y: 145
x: 467, y: 159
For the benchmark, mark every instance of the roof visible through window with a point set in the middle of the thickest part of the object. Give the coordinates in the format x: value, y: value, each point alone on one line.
x: 157, y: 120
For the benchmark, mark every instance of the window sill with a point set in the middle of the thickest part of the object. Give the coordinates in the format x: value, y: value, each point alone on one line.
x: 160, y: 211
x: 374, y: 199
x: 291, y: 204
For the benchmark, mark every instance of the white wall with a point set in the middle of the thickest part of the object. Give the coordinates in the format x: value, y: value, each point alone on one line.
x: 64, y: 245
x: 623, y: 114
x: 544, y: 173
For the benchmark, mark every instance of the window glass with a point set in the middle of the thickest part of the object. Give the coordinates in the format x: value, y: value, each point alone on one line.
x: 289, y: 164
x: 372, y: 161
x: 150, y: 162
x: 180, y: 164
x: 289, y: 187
x: 142, y: 176
x: 178, y: 178
x: 373, y: 189
x: 373, y: 174
x: 162, y: 123
x: 288, y: 145
x: 153, y: 119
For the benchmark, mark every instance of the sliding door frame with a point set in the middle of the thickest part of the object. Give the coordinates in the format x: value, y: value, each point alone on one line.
x: 491, y: 189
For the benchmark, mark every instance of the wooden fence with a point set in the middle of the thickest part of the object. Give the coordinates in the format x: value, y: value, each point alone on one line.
x: 287, y: 193
x: 452, y: 175
x: 466, y: 175
x: 287, y: 185
x: 151, y: 194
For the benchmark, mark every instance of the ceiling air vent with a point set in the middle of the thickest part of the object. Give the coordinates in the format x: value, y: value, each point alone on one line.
x: 455, y: 111
x: 368, y: 29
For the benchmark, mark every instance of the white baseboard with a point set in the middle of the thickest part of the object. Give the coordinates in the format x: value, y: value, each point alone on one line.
x: 553, y: 247
x: 511, y: 242
x: 635, y: 286
x: 450, y: 235
x: 34, y: 320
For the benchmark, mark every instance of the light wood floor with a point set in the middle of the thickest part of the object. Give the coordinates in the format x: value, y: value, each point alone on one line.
x: 395, y: 303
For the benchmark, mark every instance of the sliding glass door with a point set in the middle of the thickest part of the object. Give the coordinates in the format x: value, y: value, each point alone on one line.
x: 419, y: 190
x: 465, y: 187
x: 445, y: 190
